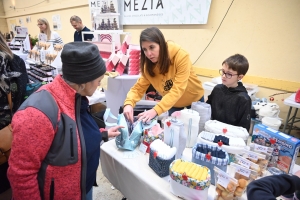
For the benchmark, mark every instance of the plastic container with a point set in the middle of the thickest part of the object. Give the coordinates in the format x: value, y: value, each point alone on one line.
x: 186, y: 184
x: 271, y: 122
x: 257, y: 158
x: 243, y: 175
x: 225, y: 185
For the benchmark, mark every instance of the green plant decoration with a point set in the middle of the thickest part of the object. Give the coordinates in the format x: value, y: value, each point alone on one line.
x: 33, y: 40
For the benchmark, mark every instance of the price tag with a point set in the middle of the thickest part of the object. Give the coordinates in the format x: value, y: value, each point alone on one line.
x: 43, y: 55
x: 143, y: 148
x: 244, y: 162
x: 252, y: 156
x: 243, y: 171
x: 223, y: 179
x: 260, y: 148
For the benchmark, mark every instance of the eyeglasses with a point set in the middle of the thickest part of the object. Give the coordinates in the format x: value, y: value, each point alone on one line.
x: 40, y: 24
x: 227, y: 75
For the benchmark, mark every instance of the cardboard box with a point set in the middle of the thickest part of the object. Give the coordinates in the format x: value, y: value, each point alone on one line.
x: 286, y: 147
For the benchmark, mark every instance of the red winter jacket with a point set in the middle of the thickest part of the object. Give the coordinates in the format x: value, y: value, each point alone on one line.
x: 46, y: 159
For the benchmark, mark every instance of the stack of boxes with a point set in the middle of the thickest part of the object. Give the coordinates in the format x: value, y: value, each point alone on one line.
x: 125, y: 60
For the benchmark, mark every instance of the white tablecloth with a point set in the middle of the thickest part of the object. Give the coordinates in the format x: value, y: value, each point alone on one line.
x: 290, y: 101
x: 117, y: 89
x: 134, y: 178
x: 21, y: 54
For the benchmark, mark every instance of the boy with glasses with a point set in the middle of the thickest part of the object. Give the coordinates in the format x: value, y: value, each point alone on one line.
x: 230, y: 102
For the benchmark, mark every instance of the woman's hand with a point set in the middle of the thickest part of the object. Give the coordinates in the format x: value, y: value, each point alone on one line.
x: 128, y: 113
x: 147, y: 115
x: 114, y: 131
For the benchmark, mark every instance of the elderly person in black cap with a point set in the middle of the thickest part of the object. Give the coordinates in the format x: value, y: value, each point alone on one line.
x: 56, y: 145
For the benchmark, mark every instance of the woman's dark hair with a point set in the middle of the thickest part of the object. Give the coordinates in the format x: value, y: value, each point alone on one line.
x: 153, y: 34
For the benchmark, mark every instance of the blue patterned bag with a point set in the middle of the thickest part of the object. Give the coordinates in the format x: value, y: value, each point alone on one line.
x: 130, y: 135
x: 210, y: 156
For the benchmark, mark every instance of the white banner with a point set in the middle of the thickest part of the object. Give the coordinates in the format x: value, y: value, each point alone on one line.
x: 141, y: 12
x: 105, y: 15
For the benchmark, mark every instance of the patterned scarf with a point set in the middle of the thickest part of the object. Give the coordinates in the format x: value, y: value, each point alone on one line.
x: 6, y: 74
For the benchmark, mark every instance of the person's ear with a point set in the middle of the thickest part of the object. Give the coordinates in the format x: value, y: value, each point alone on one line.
x: 81, y: 86
x: 240, y: 77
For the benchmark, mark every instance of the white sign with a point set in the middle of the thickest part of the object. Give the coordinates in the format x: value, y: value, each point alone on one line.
x: 165, y: 11
x: 56, y: 22
x: 105, y: 15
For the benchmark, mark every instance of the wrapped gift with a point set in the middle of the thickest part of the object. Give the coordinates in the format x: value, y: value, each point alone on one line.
x: 156, y: 132
x: 210, y: 156
x: 160, y: 158
x: 189, y: 180
x: 174, y: 135
x: 221, y: 128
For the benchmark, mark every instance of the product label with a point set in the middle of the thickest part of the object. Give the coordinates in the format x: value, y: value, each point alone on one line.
x: 243, y: 171
x: 223, y: 179
x: 244, y: 162
x: 260, y: 148
x: 143, y: 148
x: 252, y: 156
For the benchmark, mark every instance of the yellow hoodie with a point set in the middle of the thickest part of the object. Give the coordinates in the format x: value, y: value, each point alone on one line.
x: 179, y: 87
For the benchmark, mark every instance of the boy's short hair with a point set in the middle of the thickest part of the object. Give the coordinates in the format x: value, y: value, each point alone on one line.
x: 237, y: 63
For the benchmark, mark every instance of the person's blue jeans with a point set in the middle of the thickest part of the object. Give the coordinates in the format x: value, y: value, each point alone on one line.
x: 174, y: 109
x: 89, y: 195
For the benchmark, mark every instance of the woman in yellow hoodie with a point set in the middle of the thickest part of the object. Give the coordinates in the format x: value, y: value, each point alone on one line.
x: 168, y: 68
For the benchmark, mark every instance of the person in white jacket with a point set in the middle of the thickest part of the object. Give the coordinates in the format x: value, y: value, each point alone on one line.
x: 45, y: 31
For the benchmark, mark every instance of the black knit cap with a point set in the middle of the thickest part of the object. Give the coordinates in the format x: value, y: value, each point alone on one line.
x: 81, y: 62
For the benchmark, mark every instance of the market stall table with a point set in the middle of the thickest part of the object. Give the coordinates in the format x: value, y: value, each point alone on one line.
x: 128, y: 171
x: 290, y: 101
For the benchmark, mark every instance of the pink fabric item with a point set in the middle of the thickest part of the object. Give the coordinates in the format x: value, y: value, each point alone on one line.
x: 133, y: 72
x: 134, y: 56
x: 134, y: 52
x: 134, y: 61
x: 120, y: 68
x: 112, y: 62
x: 104, y: 54
x: 124, y: 47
